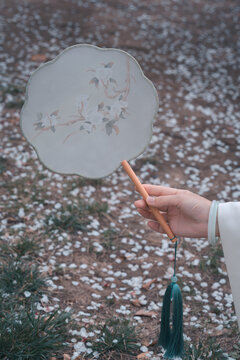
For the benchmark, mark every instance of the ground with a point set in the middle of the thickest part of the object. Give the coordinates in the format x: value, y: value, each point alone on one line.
x: 190, y: 51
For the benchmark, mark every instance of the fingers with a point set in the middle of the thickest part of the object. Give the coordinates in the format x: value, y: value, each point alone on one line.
x: 157, y: 190
x: 141, y: 204
x: 148, y: 214
x: 164, y: 202
x: 155, y: 226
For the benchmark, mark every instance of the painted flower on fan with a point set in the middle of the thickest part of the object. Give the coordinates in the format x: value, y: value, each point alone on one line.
x: 86, y: 126
x: 102, y: 75
x: 118, y: 108
x: 91, y: 115
x: 47, y: 121
x: 82, y: 101
x: 95, y: 117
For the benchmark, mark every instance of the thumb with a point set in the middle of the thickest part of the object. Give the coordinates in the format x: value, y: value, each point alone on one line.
x: 163, y: 202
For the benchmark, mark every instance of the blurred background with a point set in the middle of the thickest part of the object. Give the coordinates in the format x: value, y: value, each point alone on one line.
x: 190, y: 50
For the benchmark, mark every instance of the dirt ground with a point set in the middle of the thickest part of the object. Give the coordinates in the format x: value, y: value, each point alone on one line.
x: 189, y: 49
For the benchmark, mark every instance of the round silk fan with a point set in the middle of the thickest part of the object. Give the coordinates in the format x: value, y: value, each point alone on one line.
x: 87, y: 112
x: 89, y: 109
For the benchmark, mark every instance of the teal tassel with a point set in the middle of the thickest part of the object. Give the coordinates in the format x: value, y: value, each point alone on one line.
x: 165, y: 332
x: 172, y: 339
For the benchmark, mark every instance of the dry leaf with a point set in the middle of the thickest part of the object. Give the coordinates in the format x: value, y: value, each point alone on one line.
x: 143, y: 355
x: 39, y: 57
x: 11, y: 220
x: 67, y: 277
x: 13, y: 120
x: 220, y: 332
x: 149, y: 343
x: 126, y: 256
x: 146, y: 313
x: 50, y: 271
x: 145, y: 342
x: 136, y: 302
x: 66, y: 357
x: 147, y: 285
x: 29, y: 231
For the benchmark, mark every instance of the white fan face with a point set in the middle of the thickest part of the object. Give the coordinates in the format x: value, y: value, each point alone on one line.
x: 89, y: 109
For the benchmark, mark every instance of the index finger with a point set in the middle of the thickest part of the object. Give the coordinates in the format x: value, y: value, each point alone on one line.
x: 158, y: 190
x: 141, y: 204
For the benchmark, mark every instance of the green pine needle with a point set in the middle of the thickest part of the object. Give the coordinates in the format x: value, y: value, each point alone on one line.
x: 208, y: 349
x: 16, y: 278
x: 116, y: 335
x: 25, y: 332
x: 73, y: 218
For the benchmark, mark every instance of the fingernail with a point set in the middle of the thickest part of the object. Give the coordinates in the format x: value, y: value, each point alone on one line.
x: 150, y: 200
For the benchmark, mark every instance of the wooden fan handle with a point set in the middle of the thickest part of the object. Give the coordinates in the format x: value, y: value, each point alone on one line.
x: 144, y: 194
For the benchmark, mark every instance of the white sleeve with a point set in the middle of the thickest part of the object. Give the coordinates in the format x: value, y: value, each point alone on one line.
x: 229, y: 229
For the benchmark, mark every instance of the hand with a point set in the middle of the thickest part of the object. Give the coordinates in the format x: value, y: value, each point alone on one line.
x: 185, y: 212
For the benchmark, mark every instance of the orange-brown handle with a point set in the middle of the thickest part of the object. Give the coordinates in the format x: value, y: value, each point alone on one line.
x: 144, y: 194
